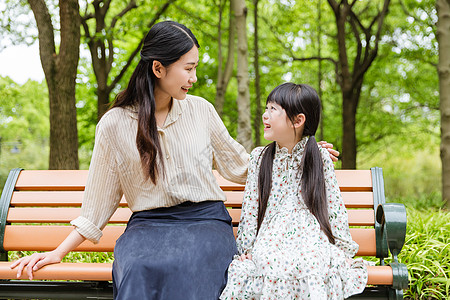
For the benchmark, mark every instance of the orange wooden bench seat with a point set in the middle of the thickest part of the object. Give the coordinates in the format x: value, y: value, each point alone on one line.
x: 37, y: 206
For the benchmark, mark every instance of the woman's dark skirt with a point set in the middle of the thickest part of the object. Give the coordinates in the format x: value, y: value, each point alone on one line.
x: 179, y: 252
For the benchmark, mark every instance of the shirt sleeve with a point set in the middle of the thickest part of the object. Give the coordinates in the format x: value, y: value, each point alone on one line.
x: 337, y: 212
x: 246, y: 234
x: 230, y: 158
x: 103, y: 191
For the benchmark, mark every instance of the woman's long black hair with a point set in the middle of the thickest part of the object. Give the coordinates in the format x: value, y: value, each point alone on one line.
x: 166, y: 42
x: 298, y: 99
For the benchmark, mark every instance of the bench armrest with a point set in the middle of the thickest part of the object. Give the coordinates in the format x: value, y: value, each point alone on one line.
x: 5, y: 200
x: 392, y: 218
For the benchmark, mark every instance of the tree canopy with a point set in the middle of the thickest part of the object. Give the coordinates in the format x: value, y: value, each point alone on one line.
x: 397, y: 116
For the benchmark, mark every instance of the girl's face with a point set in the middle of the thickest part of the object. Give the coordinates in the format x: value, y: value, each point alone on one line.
x: 176, y: 79
x: 279, y: 128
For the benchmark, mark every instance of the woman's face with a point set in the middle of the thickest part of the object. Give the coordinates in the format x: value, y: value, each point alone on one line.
x: 176, y: 79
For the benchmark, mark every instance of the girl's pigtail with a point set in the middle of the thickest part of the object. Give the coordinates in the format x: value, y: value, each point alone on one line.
x: 265, y: 181
x: 313, y: 186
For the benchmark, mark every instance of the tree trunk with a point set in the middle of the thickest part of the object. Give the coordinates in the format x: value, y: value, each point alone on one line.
x: 60, y: 73
x: 257, y: 120
x: 244, y: 135
x: 348, y: 107
x: 443, y: 36
x: 349, y: 80
x: 224, y: 75
x: 350, y: 100
x: 103, y: 93
x: 348, y: 136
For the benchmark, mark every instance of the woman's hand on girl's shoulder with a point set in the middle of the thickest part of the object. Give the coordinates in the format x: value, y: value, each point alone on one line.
x: 334, y: 154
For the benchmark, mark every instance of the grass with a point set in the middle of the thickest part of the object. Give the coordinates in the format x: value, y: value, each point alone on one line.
x: 427, y: 254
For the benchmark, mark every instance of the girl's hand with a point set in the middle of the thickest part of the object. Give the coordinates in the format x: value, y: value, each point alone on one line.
x: 334, y: 154
x: 349, y: 261
x: 244, y: 257
x: 35, y: 261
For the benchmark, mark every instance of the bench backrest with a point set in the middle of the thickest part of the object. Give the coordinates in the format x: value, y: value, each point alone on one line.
x: 37, y: 206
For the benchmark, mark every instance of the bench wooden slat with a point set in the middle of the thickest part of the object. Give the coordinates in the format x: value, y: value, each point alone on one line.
x: 380, y: 275
x: 65, y: 215
x: 351, y: 199
x: 50, y: 198
x: 361, y: 217
x: 228, y: 185
x: 58, y: 215
x: 75, y: 198
x: 365, y: 237
x: 47, y: 238
x: 62, y: 180
x: 354, y: 180
x: 63, y: 271
x: 234, y: 198
x: 122, y: 215
x: 355, y: 217
x: 358, y: 199
x: 36, y: 238
x: 76, y: 179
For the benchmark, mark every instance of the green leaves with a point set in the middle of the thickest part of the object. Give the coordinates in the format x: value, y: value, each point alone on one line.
x: 24, y: 126
x: 427, y: 254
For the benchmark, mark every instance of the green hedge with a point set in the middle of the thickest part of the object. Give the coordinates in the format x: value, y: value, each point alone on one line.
x: 427, y: 254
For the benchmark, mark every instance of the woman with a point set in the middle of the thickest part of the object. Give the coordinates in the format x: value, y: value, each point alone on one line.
x: 157, y: 147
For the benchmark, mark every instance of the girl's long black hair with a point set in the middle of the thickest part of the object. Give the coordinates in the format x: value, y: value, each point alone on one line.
x: 166, y: 42
x: 298, y: 99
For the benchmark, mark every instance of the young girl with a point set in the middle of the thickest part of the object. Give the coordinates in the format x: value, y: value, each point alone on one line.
x: 293, y: 238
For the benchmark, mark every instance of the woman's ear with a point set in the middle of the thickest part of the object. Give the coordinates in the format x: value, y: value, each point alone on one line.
x: 300, y: 120
x: 158, y: 69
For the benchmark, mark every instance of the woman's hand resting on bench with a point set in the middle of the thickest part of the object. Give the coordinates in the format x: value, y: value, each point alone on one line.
x: 37, y: 260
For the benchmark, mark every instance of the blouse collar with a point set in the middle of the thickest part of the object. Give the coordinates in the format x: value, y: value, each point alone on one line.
x: 174, y: 112
x: 296, y: 151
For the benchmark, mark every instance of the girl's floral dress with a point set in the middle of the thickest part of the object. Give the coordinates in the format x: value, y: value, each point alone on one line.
x: 291, y: 257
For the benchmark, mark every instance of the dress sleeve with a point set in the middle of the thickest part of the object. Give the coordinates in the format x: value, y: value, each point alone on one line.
x: 246, y: 234
x: 230, y: 158
x: 336, y: 209
x: 103, y: 191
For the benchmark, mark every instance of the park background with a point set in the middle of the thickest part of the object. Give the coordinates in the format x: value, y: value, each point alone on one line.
x: 380, y: 67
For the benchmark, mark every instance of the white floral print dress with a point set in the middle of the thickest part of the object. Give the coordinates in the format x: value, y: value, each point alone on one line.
x: 291, y: 257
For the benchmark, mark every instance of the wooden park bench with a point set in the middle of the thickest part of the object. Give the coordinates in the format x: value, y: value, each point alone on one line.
x: 37, y: 206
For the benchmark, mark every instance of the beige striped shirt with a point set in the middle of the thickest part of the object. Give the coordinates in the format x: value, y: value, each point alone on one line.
x: 193, y: 141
